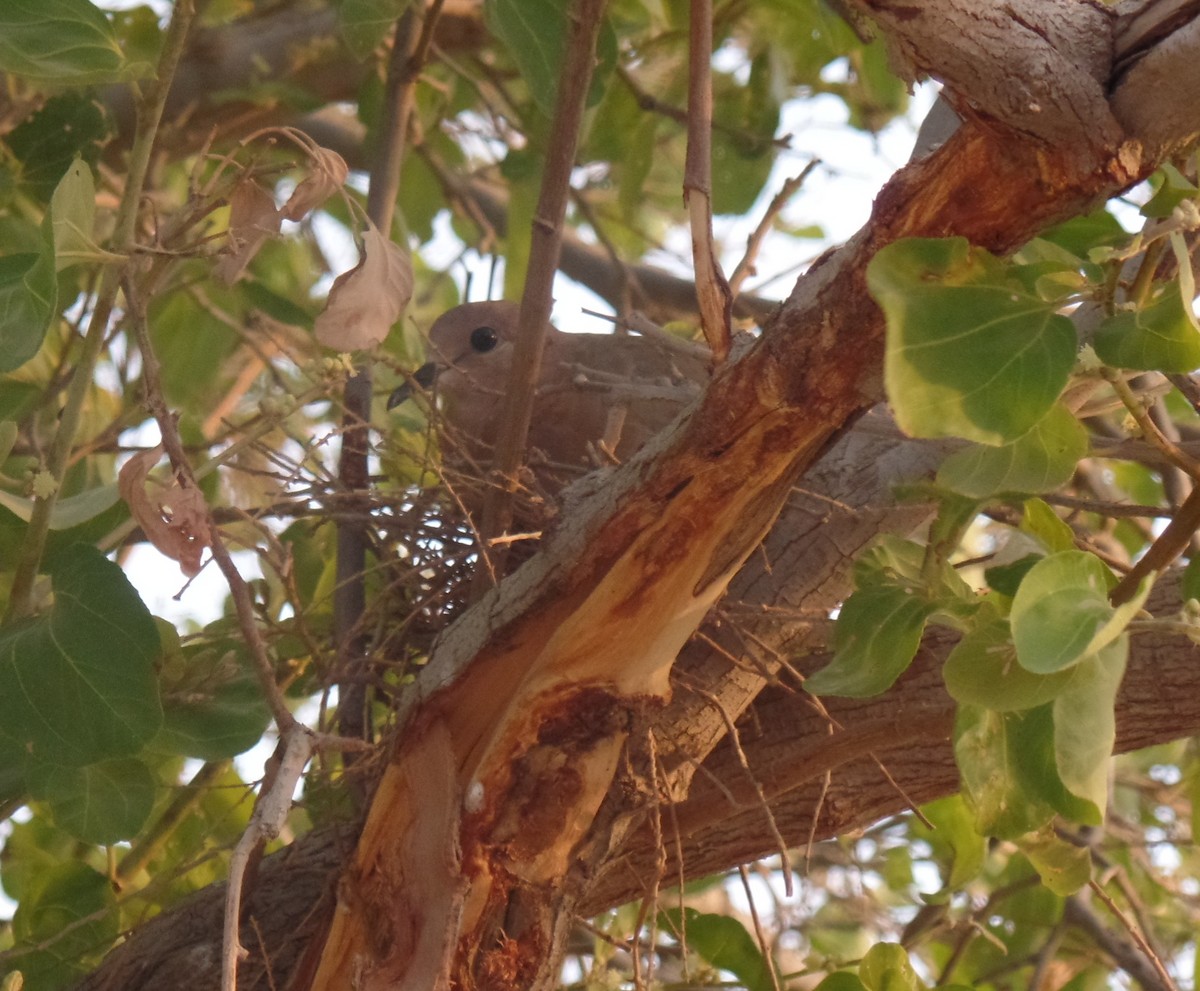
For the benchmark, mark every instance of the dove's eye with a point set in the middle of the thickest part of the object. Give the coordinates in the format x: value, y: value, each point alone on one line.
x: 483, y: 339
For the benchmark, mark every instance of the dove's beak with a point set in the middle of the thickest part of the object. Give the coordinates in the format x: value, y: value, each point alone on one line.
x: 423, y: 376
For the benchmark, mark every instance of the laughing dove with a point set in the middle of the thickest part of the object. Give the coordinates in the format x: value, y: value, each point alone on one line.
x: 599, y: 396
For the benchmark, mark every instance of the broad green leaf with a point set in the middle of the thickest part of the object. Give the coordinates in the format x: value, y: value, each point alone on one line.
x: 68, y: 512
x: 1061, y: 612
x: 725, y: 943
x: 59, y: 41
x: 996, y: 758
x: 1042, y: 522
x: 1010, y: 773
x: 982, y: 670
x: 1007, y: 578
x: 28, y: 301
x: 70, y: 125
x: 886, y: 967
x: 77, y: 683
x: 535, y: 33
x: 1172, y: 188
x: 1040, y: 461
x: 1161, y: 336
x: 100, y: 803
x: 1064, y: 867
x: 365, y: 23
x: 72, y: 907
x: 746, y: 115
x: 213, y: 706
x: 876, y: 637
x: 957, y: 845
x: 73, y: 215
x: 887, y: 560
x: 1080, y: 235
x: 31, y: 850
x: 969, y: 352
x: 1085, y: 726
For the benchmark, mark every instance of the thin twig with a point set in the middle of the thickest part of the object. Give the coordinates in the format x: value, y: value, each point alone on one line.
x: 584, y: 18
x: 758, y: 929
x: 735, y: 742
x: 745, y: 268
x: 712, y: 290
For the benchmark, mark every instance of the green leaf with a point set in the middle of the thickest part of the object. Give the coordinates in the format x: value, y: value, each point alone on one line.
x: 957, y: 845
x: 1189, y: 585
x: 1085, y: 725
x: 876, y: 637
x: 68, y: 512
x: 1061, y: 612
x: 1043, y: 523
x: 997, y: 755
x: 28, y: 302
x: 841, y: 980
x: 1040, y: 461
x: 100, y: 803
x: 535, y: 34
x: 77, y: 683
x: 73, y: 216
x: 1009, y: 771
x: 1063, y: 867
x: 71, y: 125
x: 1173, y: 187
x: 969, y: 352
x: 725, y: 943
x: 982, y: 670
x: 59, y: 41
x: 72, y: 907
x: 1161, y: 336
x: 365, y: 23
x: 1080, y: 235
x: 886, y: 967
x: 1007, y: 578
x: 213, y: 706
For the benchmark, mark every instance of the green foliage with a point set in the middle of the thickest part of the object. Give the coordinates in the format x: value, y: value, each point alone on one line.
x: 971, y: 353
x: 60, y: 41
x: 722, y: 942
x: 1040, y: 460
x: 77, y: 683
x: 1161, y: 334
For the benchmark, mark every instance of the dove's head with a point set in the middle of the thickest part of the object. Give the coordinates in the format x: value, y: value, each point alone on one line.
x: 472, y: 342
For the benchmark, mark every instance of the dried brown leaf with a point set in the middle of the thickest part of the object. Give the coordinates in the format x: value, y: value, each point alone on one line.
x: 174, y: 518
x: 364, y: 302
x: 253, y: 218
x: 328, y: 172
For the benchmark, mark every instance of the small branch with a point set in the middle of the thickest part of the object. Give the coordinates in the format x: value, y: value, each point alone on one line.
x: 409, y: 51
x: 1144, y: 967
x: 575, y: 80
x: 173, y: 444
x: 745, y: 268
x: 713, y: 293
x: 270, y: 813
